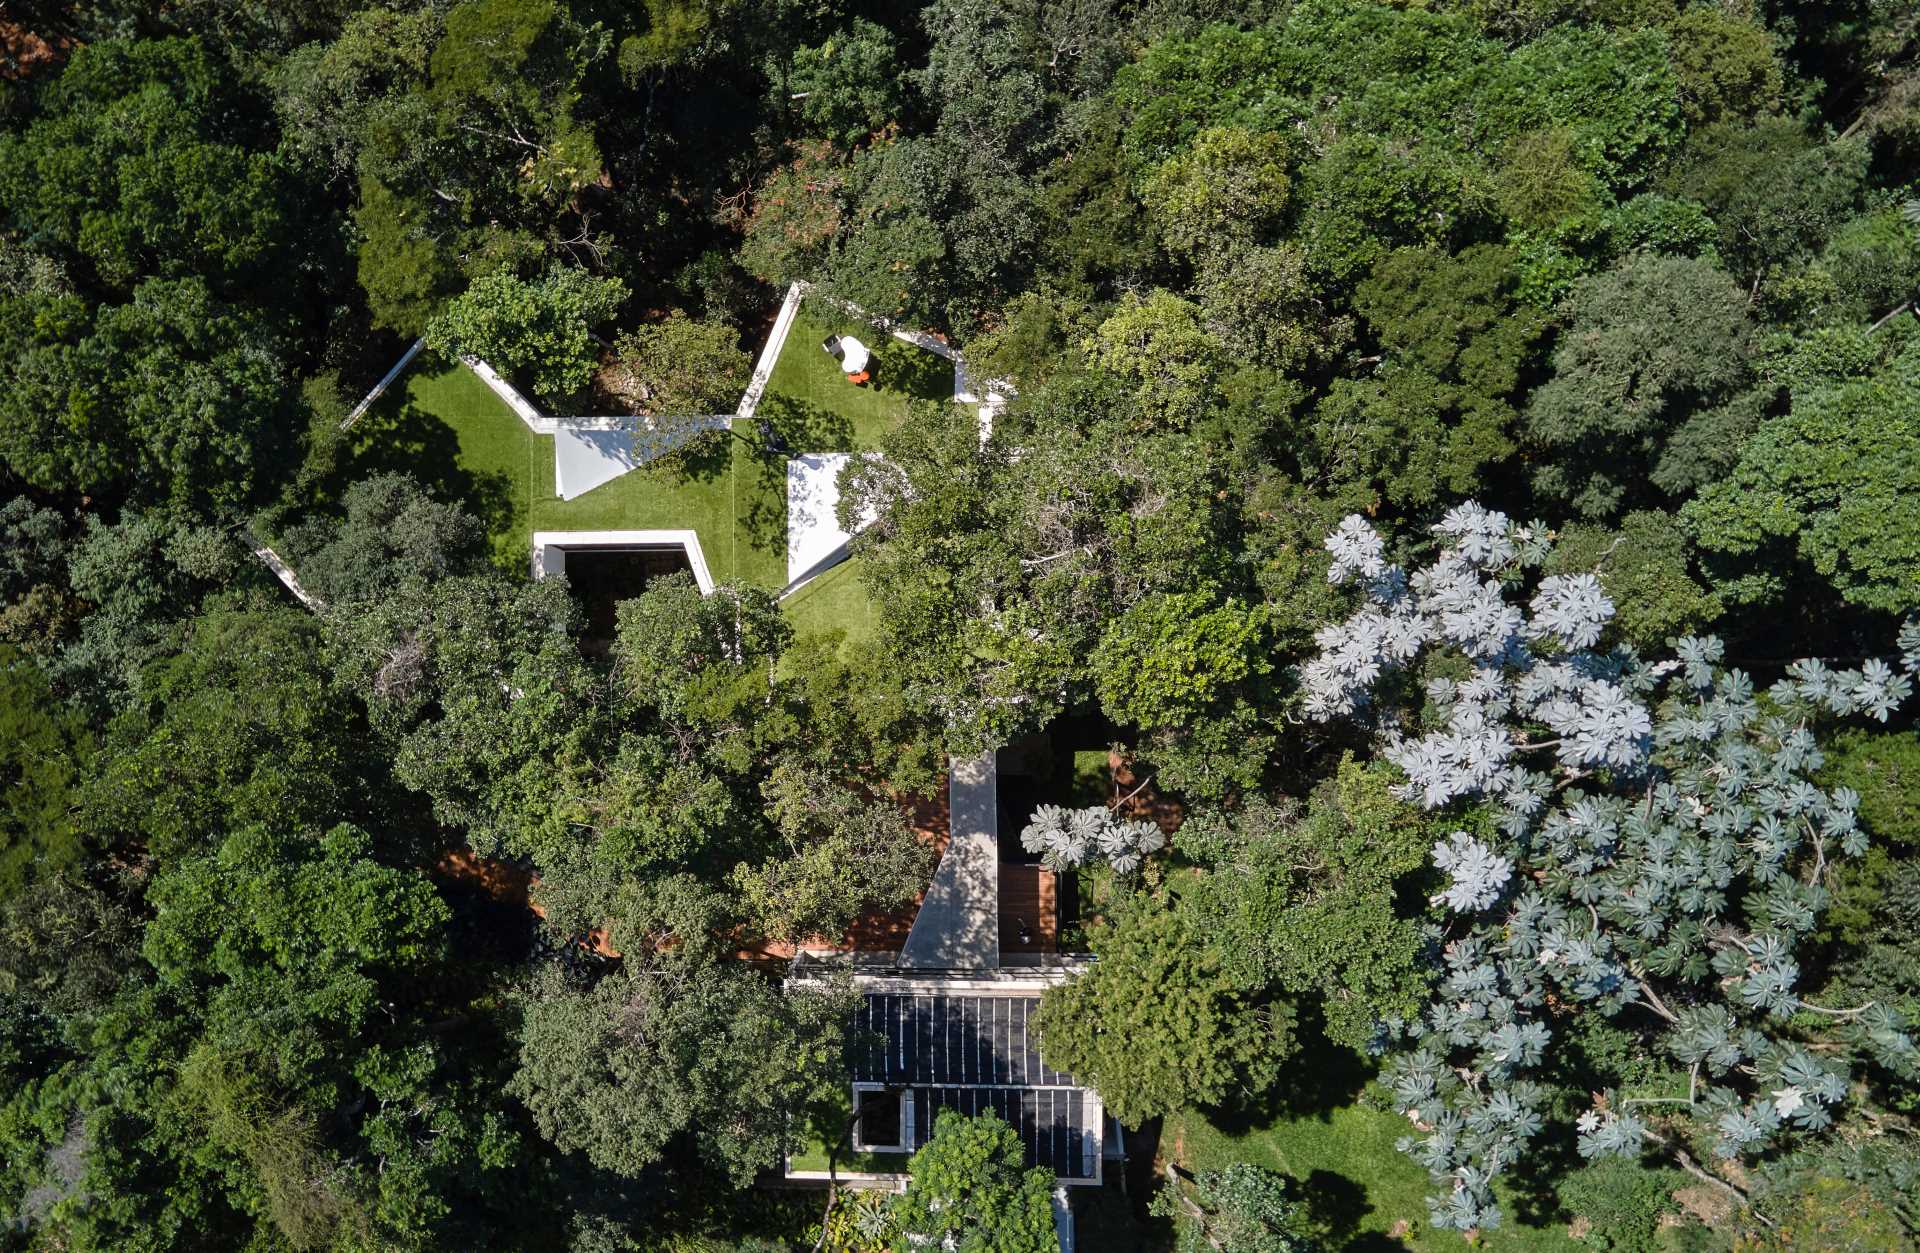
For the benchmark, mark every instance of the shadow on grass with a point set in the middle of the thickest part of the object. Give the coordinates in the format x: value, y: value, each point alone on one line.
x: 403, y: 438
x: 1319, y: 1078
x: 913, y: 372
x: 803, y: 427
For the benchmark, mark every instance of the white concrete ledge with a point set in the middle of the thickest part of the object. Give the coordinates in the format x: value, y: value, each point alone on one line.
x: 770, y: 355
x: 550, y: 549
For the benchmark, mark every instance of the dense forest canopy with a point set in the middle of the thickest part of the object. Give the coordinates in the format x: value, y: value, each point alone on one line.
x: 1464, y: 457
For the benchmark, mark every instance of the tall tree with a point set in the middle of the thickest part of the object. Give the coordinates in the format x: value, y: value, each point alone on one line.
x: 1661, y: 852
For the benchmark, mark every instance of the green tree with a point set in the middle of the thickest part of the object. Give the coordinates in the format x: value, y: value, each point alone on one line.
x: 173, y: 397
x: 239, y: 726
x: 476, y: 687
x: 1775, y: 192
x: 1726, y: 65
x: 1161, y: 345
x: 1649, y: 382
x: 1158, y: 1024
x: 45, y: 752
x: 843, y: 857
x: 1834, y: 485
x: 140, y: 166
x: 1647, y: 566
x: 680, y: 368
x: 1456, y: 341
x: 1245, y: 1208
x: 394, y: 532
x: 670, y: 1052
x: 1266, y: 307
x: 1227, y: 190
x: 848, y: 87
x: 967, y: 1191
x: 1310, y: 901
x: 539, y: 330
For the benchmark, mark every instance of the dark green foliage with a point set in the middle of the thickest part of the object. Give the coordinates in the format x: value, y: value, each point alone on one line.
x: 1252, y: 269
x: 1776, y: 193
x: 1884, y: 768
x: 1160, y: 1022
x: 1312, y: 901
x: 1621, y: 1204
x: 716, y: 1058
x: 848, y: 87
x: 140, y: 166
x: 1646, y: 565
x: 240, y: 726
x: 174, y: 397
x: 967, y: 1192
x: 394, y: 533
x: 1647, y: 384
x: 44, y: 754
x: 1455, y: 341
x: 1834, y: 486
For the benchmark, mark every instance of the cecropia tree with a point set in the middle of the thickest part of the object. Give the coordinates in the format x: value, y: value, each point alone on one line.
x: 1660, y: 850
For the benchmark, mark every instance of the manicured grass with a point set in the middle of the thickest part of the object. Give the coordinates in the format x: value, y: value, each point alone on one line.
x: 735, y: 499
x: 1343, y: 1153
x: 836, y: 600
x: 811, y: 403
x: 811, y: 1152
x: 442, y: 425
x: 813, y: 1156
x: 439, y: 423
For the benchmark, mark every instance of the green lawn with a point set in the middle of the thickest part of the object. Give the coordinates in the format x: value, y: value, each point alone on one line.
x: 811, y: 1152
x: 1343, y: 1153
x: 836, y: 599
x: 734, y: 499
x: 440, y: 424
x: 811, y: 403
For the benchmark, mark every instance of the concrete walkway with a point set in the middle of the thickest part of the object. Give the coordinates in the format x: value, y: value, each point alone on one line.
x: 958, y: 926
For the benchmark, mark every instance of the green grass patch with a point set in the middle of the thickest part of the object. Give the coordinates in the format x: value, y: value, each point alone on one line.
x: 836, y: 1122
x: 1343, y: 1154
x: 836, y: 600
x: 1092, y: 778
x: 735, y: 499
x: 813, y: 406
x: 440, y: 424
x: 443, y: 426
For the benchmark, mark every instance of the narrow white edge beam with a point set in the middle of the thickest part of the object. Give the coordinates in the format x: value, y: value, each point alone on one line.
x: 770, y: 355
x: 536, y: 421
x: 550, y: 549
x: 380, y: 388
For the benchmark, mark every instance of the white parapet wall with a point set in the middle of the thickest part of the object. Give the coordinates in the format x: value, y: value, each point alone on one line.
x: 536, y: 421
x: 770, y: 355
x: 550, y: 549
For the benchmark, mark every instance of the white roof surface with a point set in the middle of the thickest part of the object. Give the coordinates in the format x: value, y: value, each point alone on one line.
x: 813, y: 494
x: 583, y: 460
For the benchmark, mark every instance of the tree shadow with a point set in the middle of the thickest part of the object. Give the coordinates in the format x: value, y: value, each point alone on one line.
x: 1338, y: 1204
x: 403, y: 438
x: 1317, y: 1079
x: 802, y: 426
x: 912, y: 372
x: 763, y: 507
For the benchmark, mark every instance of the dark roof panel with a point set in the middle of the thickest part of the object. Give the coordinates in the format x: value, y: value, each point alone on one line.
x: 973, y: 1054
x: 950, y: 1040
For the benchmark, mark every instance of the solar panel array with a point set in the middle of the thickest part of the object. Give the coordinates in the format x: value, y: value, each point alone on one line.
x: 973, y: 1054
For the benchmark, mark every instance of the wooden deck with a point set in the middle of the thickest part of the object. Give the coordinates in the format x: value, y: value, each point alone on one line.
x: 1027, y: 894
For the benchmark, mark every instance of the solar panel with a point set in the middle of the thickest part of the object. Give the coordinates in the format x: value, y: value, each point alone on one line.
x: 974, y: 1054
